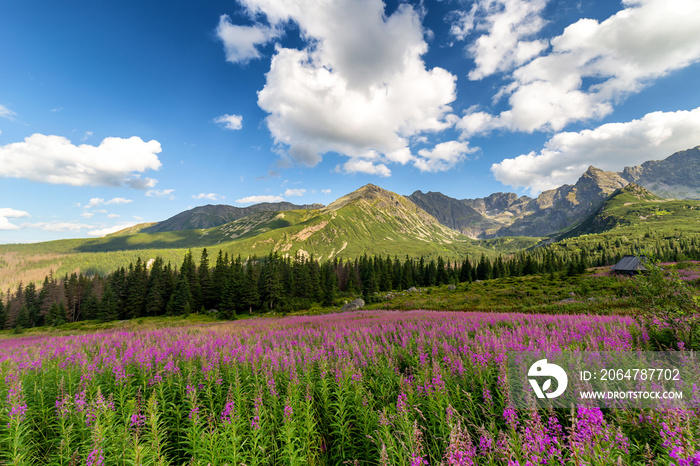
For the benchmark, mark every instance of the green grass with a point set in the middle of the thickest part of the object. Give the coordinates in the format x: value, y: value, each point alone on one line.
x: 556, y: 294
x: 91, y: 326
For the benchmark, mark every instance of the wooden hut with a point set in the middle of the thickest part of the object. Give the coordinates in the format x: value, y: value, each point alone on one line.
x: 630, y: 265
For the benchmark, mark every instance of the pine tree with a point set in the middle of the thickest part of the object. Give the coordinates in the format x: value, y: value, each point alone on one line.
x: 250, y: 296
x: 441, y: 277
x: 483, y: 270
x: 205, y: 284
x: 182, y: 296
x: 189, y: 272
x: 218, y: 281
x: 155, y: 302
x: 270, y: 283
x: 107, y: 310
x: 32, y: 302
x: 3, y: 314
x: 329, y: 284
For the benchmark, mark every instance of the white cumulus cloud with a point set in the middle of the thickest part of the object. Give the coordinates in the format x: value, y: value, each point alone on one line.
x: 294, y: 192
x: 54, y: 159
x: 326, y: 191
x: 261, y: 198
x: 507, y: 24
x: 611, y: 146
x: 443, y: 156
x: 241, y: 42
x: 58, y: 226
x: 6, y: 214
x: 593, y: 65
x: 365, y: 166
x: 359, y: 84
x: 209, y: 196
x: 166, y: 193
x: 232, y: 122
x: 108, y: 230
x: 98, y: 201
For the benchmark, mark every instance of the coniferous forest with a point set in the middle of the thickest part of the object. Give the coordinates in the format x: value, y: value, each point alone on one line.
x: 233, y: 285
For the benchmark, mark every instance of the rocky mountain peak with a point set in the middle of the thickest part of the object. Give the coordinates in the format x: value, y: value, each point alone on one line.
x: 368, y: 192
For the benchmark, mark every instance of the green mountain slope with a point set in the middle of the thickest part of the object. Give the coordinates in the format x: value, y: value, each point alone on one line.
x: 209, y: 216
x: 369, y: 220
x: 634, y: 220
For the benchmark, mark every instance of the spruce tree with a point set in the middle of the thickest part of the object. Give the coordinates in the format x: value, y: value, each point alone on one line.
x: 182, y: 296
x: 329, y: 284
x: 205, y: 285
x: 218, y: 281
x: 107, y: 310
x: 250, y: 290
x: 3, y: 314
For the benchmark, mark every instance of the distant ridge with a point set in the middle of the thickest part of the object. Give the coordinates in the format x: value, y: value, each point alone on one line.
x: 557, y: 210
x: 209, y: 216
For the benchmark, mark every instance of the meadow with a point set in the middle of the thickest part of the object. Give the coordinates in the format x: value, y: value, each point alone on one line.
x: 366, y: 388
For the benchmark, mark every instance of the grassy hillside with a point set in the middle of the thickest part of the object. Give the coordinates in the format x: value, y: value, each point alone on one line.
x: 633, y: 220
x: 370, y: 220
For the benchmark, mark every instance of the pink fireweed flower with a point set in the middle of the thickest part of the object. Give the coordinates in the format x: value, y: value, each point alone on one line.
x: 460, y: 451
x: 226, y: 413
x: 402, y: 403
x: 488, y: 398
x: 138, y: 420
x: 63, y: 406
x: 95, y: 457
x: 80, y: 401
x: 485, y: 443
x: 511, y: 417
x: 15, y: 401
x: 288, y: 413
x: 194, y: 414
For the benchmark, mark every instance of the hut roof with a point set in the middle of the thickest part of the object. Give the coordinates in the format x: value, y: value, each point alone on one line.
x: 630, y: 264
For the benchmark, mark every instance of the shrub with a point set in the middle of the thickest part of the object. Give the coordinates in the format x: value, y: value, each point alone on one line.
x: 668, y: 311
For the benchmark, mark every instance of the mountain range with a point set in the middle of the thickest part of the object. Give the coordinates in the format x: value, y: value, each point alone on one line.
x: 372, y: 221
x: 555, y: 210
x: 499, y: 214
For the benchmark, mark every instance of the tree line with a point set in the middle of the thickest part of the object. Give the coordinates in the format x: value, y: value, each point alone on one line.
x: 233, y: 285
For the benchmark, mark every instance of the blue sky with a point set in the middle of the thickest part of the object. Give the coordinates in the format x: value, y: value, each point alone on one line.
x: 115, y: 113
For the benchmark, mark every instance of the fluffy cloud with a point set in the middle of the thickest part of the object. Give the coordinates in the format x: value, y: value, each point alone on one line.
x: 360, y: 84
x: 507, y: 23
x: 366, y: 167
x: 443, y: 156
x: 241, y: 42
x: 232, y: 122
x: 257, y: 199
x: 167, y: 193
x: 294, y: 192
x: 57, y: 226
x: 108, y: 230
x: 594, y: 64
x: 611, y: 147
x: 209, y: 196
x: 53, y: 159
x: 97, y: 201
x: 326, y: 191
x: 6, y: 214
x: 6, y: 112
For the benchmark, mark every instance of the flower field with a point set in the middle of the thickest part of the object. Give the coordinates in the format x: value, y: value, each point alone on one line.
x: 366, y: 388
